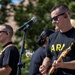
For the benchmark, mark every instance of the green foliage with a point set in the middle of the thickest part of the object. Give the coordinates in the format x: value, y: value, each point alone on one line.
x: 26, y: 60
x: 72, y: 8
x: 3, y: 10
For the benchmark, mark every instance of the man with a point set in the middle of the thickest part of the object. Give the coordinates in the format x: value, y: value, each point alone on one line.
x: 39, y: 54
x: 9, y: 56
x: 59, y: 41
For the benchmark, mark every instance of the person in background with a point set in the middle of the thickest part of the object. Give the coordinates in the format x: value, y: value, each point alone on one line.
x: 39, y: 54
x: 59, y: 42
x: 9, y: 56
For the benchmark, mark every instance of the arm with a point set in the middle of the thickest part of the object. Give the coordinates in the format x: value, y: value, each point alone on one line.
x: 5, y: 70
x: 67, y: 65
x: 45, y: 65
x: 47, y: 62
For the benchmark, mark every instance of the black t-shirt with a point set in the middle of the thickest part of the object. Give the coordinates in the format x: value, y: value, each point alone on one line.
x: 58, y: 42
x: 36, y: 61
x: 10, y: 57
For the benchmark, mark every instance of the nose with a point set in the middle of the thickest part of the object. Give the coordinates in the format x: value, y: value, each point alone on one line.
x: 54, y: 22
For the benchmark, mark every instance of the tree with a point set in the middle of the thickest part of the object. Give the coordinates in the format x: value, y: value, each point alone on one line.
x: 4, y: 10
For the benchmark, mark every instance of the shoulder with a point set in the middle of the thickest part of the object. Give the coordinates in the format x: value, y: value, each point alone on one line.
x: 12, y: 49
x: 38, y: 54
x: 40, y: 49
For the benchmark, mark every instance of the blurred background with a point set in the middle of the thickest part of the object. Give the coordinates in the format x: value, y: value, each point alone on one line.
x: 18, y: 12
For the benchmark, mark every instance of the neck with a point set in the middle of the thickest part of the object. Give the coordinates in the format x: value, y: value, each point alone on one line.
x: 67, y: 26
x: 6, y: 42
x: 65, y: 29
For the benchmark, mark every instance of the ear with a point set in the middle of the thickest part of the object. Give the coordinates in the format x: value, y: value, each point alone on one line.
x: 47, y: 39
x: 7, y: 33
x: 65, y: 15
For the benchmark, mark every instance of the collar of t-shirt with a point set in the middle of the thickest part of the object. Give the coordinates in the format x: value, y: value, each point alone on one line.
x: 7, y: 44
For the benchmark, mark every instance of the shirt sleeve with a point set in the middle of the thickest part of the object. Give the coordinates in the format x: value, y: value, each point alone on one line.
x: 11, y: 57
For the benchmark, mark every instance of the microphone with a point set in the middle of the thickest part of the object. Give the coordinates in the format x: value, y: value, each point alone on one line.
x: 33, y: 19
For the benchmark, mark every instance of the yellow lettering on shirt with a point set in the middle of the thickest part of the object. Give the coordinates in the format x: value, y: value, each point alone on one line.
x: 52, y: 48
x: 62, y: 47
x: 58, y: 47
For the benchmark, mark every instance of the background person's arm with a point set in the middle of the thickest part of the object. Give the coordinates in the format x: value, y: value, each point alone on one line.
x: 5, y: 70
x: 45, y: 66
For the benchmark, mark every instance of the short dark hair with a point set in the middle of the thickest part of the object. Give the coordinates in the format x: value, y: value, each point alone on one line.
x: 9, y: 28
x: 62, y: 7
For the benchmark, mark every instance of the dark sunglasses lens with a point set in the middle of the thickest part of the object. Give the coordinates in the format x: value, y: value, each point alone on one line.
x: 3, y: 31
x: 55, y: 18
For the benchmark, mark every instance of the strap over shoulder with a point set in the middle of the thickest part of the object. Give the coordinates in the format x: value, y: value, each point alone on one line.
x: 5, y: 48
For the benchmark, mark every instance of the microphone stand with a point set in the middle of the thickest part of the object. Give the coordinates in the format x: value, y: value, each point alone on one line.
x: 21, y: 64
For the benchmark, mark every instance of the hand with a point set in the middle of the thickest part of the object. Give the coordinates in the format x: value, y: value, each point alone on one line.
x: 57, y: 64
x: 42, y: 69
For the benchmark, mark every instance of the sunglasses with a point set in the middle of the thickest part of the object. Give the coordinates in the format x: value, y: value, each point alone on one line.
x: 3, y: 31
x: 56, y: 17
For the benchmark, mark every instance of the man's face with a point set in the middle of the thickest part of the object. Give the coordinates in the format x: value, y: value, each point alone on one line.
x: 57, y: 18
x: 2, y: 33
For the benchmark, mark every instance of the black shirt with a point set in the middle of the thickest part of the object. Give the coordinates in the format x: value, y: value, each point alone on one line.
x: 36, y: 61
x: 10, y: 56
x: 58, y: 42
